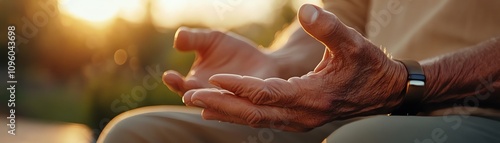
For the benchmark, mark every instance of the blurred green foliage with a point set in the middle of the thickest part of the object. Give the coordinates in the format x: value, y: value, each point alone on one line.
x: 66, y: 72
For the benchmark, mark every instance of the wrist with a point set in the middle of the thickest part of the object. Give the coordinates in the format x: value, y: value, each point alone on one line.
x: 399, y: 80
x: 414, y: 89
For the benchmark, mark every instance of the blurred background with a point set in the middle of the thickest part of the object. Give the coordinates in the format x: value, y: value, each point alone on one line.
x: 79, y: 63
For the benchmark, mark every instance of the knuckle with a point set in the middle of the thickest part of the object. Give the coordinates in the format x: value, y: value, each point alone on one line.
x: 262, y: 96
x: 253, y: 117
x: 355, y: 47
x: 274, y: 91
x: 333, y: 28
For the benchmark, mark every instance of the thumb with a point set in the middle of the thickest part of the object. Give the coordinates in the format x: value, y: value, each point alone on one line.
x: 329, y: 30
x: 187, y: 39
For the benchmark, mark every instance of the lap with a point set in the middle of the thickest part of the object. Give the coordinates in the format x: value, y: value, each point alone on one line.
x: 184, y: 124
x: 419, y: 129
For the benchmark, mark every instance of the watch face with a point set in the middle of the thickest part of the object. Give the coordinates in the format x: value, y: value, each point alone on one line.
x: 416, y: 83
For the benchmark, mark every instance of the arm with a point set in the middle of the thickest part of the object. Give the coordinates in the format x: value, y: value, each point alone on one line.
x: 470, y: 75
x: 355, y: 78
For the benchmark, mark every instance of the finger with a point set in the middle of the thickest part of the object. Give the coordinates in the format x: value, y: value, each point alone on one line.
x: 174, y: 81
x: 187, y: 97
x: 200, y: 40
x: 236, y: 83
x: 229, y: 108
x: 178, y: 83
x: 236, y: 107
x: 328, y: 29
x: 271, y: 91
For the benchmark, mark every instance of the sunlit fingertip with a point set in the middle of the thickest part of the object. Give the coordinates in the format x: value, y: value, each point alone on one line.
x: 182, y: 39
x: 308, y: 13
x: 180, y: 31
x: 186, y: 99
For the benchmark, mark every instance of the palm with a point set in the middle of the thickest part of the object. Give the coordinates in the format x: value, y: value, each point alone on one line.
x: 216, y: 53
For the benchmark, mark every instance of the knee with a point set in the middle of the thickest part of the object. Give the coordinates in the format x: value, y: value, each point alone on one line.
x: 125, y: 128
x: 147, y: 124
x: 375, y: 129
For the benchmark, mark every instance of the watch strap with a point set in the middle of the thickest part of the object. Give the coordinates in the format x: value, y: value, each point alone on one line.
x: 414, y: 90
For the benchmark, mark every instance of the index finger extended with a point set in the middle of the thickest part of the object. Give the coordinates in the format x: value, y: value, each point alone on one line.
x: 272, y: 91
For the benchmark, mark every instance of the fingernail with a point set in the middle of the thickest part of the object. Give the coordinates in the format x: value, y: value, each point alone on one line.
x: 199, y: 104
x: 187, y: 96
x: 308, y: 13
x: 163, y: 77
x: 181, y: 32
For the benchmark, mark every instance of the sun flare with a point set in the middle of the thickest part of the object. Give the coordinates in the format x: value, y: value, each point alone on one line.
x: 174, y: 13
x: 103, y: 10
x: 90, y: 10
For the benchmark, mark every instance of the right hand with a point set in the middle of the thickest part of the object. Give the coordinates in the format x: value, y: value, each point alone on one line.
x: 217, y: 52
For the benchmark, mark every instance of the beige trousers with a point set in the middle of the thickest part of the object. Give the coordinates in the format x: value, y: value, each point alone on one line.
x: 178, y: 124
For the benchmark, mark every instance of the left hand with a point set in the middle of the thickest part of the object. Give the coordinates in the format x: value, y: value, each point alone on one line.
x: 355, y: 78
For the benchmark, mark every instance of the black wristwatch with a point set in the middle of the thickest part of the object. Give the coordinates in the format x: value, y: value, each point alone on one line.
x: 414, y: 90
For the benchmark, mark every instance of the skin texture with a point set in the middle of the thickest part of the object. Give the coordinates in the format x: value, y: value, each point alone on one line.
x: 231, y: 53
x: 354, y: 78
x: 326, y: 94
x: 469, y: 77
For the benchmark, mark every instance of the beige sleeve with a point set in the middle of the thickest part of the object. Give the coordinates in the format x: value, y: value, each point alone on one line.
x: 353, y: 13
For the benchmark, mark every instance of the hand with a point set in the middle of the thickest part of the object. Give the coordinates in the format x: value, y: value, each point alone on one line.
x: 217, y: 52
x: 354, y: 78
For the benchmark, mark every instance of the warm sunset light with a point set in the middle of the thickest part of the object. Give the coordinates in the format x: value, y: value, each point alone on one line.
x: 104, y: 10
x: 174, y: 13
x: 90, y: 10
x: 213, y: 13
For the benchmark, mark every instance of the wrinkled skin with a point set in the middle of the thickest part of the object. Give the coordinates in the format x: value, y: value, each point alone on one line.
x: 354, y: 78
